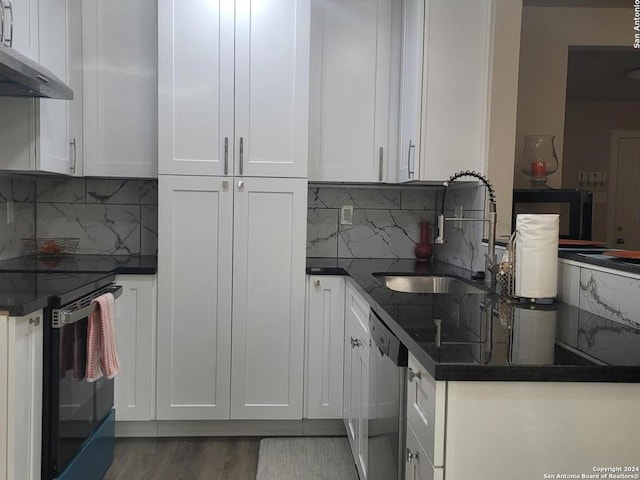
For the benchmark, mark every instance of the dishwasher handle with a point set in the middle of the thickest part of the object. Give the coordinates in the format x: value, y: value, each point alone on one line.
x: 386, y: 341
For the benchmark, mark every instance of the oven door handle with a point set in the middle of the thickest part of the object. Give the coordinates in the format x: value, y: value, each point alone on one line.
x: 82, y: 308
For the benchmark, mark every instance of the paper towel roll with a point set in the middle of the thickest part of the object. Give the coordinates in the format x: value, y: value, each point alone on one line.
x: 537, y: 255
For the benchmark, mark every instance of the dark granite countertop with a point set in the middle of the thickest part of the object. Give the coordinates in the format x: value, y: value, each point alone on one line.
x: 599, y: 259
x: 511, y: 343
x: 28, y: 284
x: 24, y: 293
x: 590, y: 256
x: 118, y: 264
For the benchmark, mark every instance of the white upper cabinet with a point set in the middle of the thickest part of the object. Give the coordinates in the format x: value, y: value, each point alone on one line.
x: 195, y: 87
x: 57, y: 152
x: 120, y: 88
x: 456, y: 70
x: 41, y: 134
x: 233, y: 87
x: 350, y: 97
x: 411, y: 89
x: 21, y: 26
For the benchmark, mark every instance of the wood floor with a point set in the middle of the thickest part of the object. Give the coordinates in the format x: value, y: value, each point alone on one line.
x: 217, y: 458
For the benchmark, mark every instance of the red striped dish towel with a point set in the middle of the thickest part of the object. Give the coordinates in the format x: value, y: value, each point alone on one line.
x: 102, y: 356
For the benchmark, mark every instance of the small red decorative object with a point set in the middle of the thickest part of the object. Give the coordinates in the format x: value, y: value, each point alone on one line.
x: 538, y: 169
x: 424, y: 250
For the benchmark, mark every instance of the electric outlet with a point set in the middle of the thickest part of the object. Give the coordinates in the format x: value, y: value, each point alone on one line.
x: 11, y: 213
x: 346, y: 215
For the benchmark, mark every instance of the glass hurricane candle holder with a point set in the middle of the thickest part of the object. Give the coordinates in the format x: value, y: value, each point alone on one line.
x: 539, y: 159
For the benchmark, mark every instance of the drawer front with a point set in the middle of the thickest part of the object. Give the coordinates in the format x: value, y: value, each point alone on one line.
x: 418, y: 466
x: 357, y: 311
x: 425, y: 410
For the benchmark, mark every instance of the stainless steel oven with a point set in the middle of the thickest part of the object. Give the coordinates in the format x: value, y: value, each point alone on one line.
x: 78, y: 417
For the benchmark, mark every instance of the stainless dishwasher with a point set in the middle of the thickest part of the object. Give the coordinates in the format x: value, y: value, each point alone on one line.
x: 387, y: 402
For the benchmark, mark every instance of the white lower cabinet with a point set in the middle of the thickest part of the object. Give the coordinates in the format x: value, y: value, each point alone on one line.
x: 324, y: 346
x: 230, y: 246
x: 426, y: 410
x: 269, y: 256
x: 21, y: 396
x: 355, y: 409
x: 135, y: 385
x: 195, y: 227
x: 418, y: 464
x: 424, y: 454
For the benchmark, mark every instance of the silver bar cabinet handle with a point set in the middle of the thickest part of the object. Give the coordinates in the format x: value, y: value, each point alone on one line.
x: 241, y: 154
x: 75, y: 155
x: 10, y: 7
x: 1, y: 21
x: 226, y: 155
x: 413, y: 375
x: 409, y: 171
x: 381, y: 163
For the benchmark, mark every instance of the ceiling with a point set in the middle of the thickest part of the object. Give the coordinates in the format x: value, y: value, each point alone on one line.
x: 580, y: 3
x: 599, y: 74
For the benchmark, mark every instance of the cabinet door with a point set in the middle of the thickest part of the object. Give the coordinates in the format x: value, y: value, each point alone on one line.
x: 36, y: 135
x: 356, y: 395
x: 194, y: 298
x: 350, y: 90
x: 426, y: 410
x: 348, y: 409
x: 411, y: 89
x: 24, y: 400
x: 55, y: 148
x: 271, y: 88
x: 120, y: 88
x: 417, y: 464
x: 325, y: 342
x: 135, y: 385
x: 360, y: 386
x: 195, y: 87
x: 268, y: 298
x: 455, y: 96
x: 24, y: 15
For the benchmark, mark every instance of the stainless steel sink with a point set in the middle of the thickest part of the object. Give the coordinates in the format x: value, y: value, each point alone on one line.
x: 429, y: 284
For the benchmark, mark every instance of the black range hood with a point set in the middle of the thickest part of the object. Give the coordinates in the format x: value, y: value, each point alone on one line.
x: 22, y: 77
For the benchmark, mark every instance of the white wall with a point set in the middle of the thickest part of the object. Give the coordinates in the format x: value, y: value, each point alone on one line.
x: 547, y: 33
x: 502, y: 106
x: 587, y: 148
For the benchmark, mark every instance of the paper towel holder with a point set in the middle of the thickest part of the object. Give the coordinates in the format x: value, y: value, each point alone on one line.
x: 507, y: 277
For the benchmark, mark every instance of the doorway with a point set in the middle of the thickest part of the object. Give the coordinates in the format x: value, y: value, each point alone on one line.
x: 623, y: 216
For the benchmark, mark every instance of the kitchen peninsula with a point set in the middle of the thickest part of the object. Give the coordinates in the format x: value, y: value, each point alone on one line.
x: 538, y: 418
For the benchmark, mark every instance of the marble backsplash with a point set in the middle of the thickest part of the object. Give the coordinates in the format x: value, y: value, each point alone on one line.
x: 20, y: 192
x: 110, y: 216
x: 386, y: 223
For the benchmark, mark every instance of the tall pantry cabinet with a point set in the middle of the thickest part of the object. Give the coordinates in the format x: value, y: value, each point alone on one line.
x: 233, y: 134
